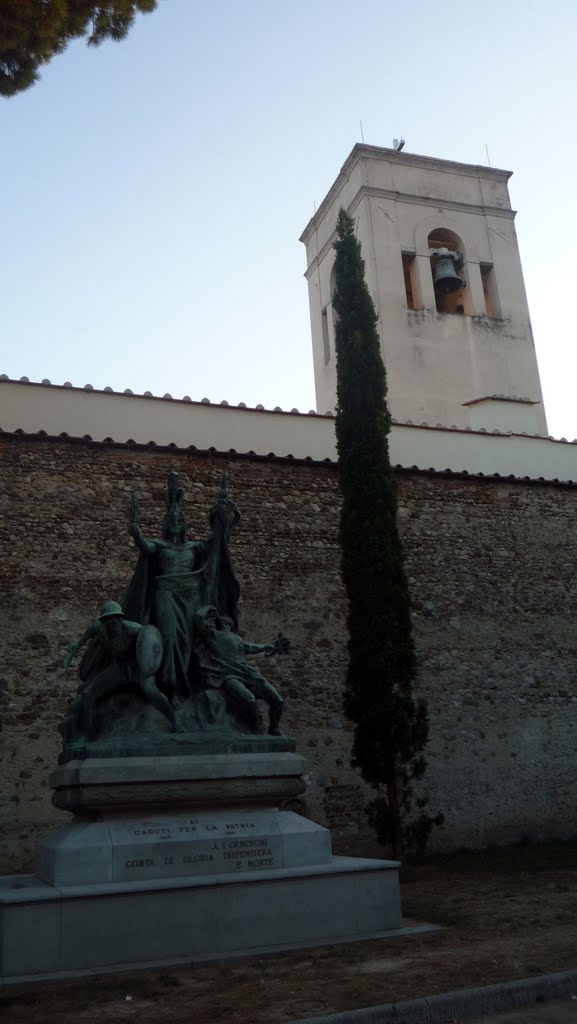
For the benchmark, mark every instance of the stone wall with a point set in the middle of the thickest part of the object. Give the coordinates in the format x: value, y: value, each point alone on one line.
x: 491, y: 566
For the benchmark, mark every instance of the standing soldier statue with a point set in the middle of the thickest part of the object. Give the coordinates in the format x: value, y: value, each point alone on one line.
x: 176, y: 576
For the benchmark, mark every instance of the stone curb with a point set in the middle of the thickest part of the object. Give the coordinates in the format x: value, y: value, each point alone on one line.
x: 469, y: 1002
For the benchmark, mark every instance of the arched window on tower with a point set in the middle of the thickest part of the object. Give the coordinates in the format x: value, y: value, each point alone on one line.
x: 329, y: 320
x: 447, y: 261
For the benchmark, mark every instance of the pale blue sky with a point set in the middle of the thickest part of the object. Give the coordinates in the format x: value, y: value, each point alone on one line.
x: 154, y: 190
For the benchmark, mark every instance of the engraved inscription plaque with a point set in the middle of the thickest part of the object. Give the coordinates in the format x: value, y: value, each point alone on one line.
x: 204, y: 844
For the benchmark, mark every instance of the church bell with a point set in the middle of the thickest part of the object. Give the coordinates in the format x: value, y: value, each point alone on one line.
x: 446, y: 279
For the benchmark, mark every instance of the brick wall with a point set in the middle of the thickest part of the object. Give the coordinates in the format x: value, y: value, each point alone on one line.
x: 491, y: 566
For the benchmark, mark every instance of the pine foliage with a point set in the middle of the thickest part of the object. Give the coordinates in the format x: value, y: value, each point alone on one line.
x: 391, y: 727
x: 32, y: 32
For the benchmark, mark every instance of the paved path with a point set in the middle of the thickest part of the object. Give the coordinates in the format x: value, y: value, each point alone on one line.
x: 553, y: 1013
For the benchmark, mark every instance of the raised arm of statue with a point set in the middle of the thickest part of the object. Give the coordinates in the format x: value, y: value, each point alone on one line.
x: 225, y: 515
x: 148, y: 547
x: 234, y: 516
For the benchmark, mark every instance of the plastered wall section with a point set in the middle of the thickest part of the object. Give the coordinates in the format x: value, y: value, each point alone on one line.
x: 31, y: 407
x: 491, y: 571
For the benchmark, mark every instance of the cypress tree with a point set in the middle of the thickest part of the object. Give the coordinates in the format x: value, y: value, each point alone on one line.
x: 33, y: 31
x: 390, y: 726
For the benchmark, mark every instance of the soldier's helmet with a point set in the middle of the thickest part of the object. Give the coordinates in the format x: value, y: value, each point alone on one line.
x: 111, y: 610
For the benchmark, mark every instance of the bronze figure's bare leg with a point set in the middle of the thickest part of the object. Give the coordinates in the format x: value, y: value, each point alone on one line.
x: 266, y: 691
x: 239, y: 692
x: 103, y: 685
x: 151, y: 692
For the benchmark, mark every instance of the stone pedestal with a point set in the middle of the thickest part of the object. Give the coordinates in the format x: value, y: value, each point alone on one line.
x: 133, y: 784
x: 134, y: 849
x: 185, y: 859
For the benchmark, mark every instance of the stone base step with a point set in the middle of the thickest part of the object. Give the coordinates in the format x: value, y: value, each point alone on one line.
x: 49, y: 931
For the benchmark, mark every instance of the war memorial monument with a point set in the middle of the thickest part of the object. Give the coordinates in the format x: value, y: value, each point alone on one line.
x: 180, y: 848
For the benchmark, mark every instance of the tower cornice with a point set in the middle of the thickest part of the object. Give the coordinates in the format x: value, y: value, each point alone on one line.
x: 361, y: 152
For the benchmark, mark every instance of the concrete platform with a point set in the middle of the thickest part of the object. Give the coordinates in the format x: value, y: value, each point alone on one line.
x: 50, y: 931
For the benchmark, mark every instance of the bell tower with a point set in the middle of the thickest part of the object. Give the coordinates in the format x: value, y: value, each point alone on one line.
x: 442, y: 264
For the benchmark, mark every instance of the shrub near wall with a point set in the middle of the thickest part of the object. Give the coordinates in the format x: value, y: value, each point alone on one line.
x: 491, y: 571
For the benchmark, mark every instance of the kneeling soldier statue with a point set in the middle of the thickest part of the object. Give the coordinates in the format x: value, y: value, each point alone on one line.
x: 122, y: 655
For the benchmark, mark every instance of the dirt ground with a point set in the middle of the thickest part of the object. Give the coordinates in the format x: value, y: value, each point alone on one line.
x: 507, y: 914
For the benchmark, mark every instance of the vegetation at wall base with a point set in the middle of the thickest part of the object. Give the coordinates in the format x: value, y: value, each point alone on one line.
x: 32, y: 32
x: 391, y: 726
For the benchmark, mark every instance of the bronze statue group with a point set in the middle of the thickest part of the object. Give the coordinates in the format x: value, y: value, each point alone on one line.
x: 173, y: 641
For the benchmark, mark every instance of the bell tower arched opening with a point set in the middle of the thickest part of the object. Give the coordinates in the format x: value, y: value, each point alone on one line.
x: 447, y: 260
